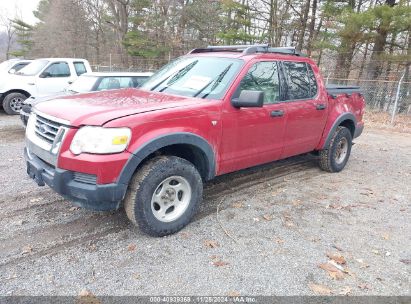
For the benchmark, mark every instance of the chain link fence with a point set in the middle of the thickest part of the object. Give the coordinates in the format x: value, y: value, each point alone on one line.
x: 381, y: 94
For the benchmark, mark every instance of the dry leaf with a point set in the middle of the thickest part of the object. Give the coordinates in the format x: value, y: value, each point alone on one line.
x: 363, y: 264
x: 27, y: 249
x: 237, y: 205
x: 364, y: 286
x: 211, y: 244
x: 375, y: 251
x: 288, y: 220
x: 92, y: 247
x: 86, y: 297
x: 74, y: 208
x: 185, y: 235
x: 279, y: 241
x: 320, y: 289
x: 131, y: 247
x: 406, y: 261
x: 338, y: 258
x: 35, y: 200
x: 345, y: 291
x: 333, y: 271
x: 274, y: 193
x: 385, y: 236
x: 220, y: 263
x: 268, y: 217
x: 233, y: 293
x: 296, y: 203
x: 85, y: 293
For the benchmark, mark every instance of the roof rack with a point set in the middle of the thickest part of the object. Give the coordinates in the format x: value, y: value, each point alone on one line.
x: 248, y: 49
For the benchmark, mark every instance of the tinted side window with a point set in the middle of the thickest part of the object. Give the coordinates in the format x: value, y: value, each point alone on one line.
x: 262, y: 76
x: 80, y: 68
x: 313, y: 81
x: 298, y: 80
x: 112, y: 83
x: 139, y: 80
x: 58, y: 69
x: 19, y: 66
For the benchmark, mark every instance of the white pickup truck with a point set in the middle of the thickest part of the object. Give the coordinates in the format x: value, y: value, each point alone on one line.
x: 41, y: 77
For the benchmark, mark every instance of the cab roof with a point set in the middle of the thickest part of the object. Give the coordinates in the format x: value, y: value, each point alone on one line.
x: 248, y: 52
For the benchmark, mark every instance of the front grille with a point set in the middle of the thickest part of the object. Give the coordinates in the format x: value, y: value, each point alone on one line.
x: 46, y: 129
x: 85, y: 178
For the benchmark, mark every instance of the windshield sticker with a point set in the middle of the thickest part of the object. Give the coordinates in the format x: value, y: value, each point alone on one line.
x: 196, y: 82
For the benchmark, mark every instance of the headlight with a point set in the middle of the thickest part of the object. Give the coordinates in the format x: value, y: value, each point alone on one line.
x: 100, y: 140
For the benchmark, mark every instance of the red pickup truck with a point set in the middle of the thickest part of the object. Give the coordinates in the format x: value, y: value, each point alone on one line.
x: 214, y: 111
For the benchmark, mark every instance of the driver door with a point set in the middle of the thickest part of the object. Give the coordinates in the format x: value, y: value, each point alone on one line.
x: 253, y: 136
x: 54, y: 78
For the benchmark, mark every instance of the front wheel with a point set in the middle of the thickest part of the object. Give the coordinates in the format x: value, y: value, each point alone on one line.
x: 335, y: 156
x: 164, y: 195
x: 13, y: 102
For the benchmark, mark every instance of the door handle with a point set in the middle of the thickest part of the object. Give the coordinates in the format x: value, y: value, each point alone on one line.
x: 321, y: 107
x: 277, y: 113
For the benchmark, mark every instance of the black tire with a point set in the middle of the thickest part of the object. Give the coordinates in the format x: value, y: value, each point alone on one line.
x: 331, y: 158
x: 13, y: 102
x: 139, y: 201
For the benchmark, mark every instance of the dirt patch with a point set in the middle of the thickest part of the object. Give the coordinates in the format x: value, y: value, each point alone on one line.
x: 285, y: 228
x: 381, y: 120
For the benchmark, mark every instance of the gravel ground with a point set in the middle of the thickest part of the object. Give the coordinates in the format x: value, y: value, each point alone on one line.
x: 275, y: 226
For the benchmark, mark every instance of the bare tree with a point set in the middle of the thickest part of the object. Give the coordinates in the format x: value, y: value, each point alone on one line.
x: 7, y: 25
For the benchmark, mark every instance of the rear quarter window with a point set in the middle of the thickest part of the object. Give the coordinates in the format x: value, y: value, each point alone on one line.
x: 80, y: 68
x: 301, y: 82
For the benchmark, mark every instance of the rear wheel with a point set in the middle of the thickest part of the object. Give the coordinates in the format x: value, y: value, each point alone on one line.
x: 13, y: 102
x: 164, y: 195
x: 335, y: 156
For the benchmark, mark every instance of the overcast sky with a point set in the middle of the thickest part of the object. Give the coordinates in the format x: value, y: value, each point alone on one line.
x: 23, y: 8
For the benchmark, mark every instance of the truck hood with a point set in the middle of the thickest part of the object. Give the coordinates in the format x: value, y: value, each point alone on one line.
x: 100, y: 107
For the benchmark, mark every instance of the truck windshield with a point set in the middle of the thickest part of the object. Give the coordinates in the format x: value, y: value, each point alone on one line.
x: 203, y: 77
x: 33, y: 68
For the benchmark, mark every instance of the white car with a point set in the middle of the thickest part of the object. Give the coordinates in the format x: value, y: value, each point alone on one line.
x: 41, y: 77
x: 90, y: 82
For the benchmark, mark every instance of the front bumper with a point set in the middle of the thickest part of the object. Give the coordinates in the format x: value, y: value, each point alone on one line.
x: 24, y: 116
x: 89, y: 196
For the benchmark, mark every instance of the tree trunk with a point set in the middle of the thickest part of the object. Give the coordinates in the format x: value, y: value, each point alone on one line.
x: 375, y: 66
x: 311, y: 28
x: 304, y: 21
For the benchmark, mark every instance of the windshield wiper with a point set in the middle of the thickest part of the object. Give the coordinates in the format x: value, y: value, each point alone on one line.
x: 175, y: 76
x: 217, y: 80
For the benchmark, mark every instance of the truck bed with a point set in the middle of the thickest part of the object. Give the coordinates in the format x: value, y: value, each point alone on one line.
x: 336, y: 89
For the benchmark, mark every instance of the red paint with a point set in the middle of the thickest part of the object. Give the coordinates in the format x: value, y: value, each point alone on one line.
x: 240, y: 138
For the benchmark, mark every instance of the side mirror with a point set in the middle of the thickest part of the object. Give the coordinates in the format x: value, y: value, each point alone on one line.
x: 249, y: 99
x: 45, y: 75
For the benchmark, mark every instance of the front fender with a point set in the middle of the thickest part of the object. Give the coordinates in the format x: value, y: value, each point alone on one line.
x: 162, y: 141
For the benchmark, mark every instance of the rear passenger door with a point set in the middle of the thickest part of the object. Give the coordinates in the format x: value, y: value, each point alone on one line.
x: 306, y: 109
